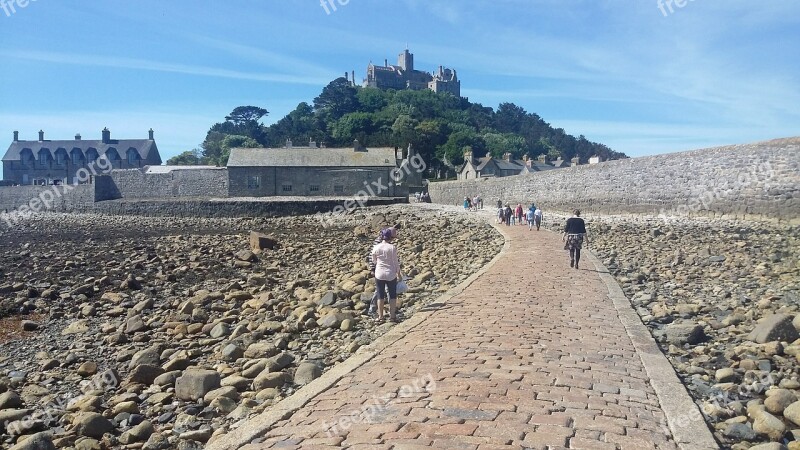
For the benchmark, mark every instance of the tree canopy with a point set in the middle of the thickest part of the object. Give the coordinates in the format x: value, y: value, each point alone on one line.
x: 439, y: 126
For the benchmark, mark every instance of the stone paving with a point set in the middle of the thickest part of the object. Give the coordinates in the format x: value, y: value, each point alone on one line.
x: 532, y: 355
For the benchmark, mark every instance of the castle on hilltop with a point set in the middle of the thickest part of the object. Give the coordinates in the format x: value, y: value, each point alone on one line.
x: 403, y: 76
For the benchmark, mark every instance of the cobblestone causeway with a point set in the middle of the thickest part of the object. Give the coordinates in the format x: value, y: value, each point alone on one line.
x: 532, y: 355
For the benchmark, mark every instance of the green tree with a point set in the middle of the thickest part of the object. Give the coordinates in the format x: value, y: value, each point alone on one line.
x: 337, y: 99
x: 187, y: 158
x: 357, y: 125
x: 404, y: 130
x: 453, y: 149
x: 234, y: 141
x: 244, y: 114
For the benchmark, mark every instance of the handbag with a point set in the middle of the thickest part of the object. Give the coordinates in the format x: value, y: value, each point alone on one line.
x: 402, y: 287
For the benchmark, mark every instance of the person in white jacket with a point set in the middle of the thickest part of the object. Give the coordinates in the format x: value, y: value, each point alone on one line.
x: 387, y: 272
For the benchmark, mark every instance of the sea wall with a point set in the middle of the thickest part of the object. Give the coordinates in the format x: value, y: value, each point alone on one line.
x: 132, y: 184
x: 228, y: 208
x: 751, y: 181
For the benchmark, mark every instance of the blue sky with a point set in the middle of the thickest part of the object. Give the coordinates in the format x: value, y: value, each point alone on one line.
x: 621, y: 72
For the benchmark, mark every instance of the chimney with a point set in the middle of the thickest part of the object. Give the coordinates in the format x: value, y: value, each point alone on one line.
x: 507, y: 156
x: 77, y: 136
x: 106, y: 135
x: 346, y: 75
x: 468, y: 155
x: 385, y: 63
x: 41, y: 135
x: 311, y: 143
x: 150, y: 134
x: 543, y: 158
x: 16, y: 136
x: 575, y: 161
x: 357, y: 146
x: 288, y: 143
x: 353, y: 76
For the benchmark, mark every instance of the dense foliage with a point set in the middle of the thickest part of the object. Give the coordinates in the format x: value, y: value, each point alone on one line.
x: 439, y: 126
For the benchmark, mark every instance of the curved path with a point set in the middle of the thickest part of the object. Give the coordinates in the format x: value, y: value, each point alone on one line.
x: 531, y: 355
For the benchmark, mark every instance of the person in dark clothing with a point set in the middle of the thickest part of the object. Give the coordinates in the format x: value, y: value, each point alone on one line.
x: 574, y: 236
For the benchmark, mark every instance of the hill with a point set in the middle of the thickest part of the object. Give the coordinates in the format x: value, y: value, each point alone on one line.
x: 440, y: 126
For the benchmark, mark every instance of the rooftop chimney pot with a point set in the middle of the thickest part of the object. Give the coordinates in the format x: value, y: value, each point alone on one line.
x: 106, y: 135
x: 78, y: 137
x: 16, y: 136
x: 41, y: 135
x: 150, y: 134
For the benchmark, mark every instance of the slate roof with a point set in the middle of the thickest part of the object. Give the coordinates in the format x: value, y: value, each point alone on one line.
x: 312, y: 157
x: 144, y: 146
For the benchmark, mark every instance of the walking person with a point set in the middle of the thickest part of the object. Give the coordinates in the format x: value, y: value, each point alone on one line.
x: 466, y: 204
x: 387, y: 272
x: 537, y: 218
x: 501, y: 215
x: 508, y: 215
x: 529, y: 218
x: 574, y: 236
x: 518, y: 213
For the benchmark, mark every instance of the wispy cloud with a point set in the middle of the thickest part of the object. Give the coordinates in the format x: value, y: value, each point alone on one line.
x: 157, y: 66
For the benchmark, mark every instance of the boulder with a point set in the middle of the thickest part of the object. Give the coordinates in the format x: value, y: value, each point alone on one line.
x: 792, y: 413
x: 679, y: 334
x: 777, y: 327
x: 769, y: 425
x: 92, y: 425
x: 38, y: 441
x: 279, y: 362
x: 145, y: 374
x: 260, y: 242
x: 306, y: 372
x: 269, y: 380
x: 9, y: 400
x: 139, y: 433
x: 134, y: 325
x: 196, y: 383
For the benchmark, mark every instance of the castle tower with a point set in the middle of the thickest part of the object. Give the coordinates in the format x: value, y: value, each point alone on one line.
x: 406, y: 60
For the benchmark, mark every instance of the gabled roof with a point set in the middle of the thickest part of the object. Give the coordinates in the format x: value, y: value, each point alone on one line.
x: 144, y: 146
x: 312, y: 157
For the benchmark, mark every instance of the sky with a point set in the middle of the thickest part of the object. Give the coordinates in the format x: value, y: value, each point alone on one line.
x: 641, y: 76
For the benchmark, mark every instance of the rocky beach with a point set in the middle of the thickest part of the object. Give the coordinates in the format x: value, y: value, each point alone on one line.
x: 156, y: 333
x: 721, y: 297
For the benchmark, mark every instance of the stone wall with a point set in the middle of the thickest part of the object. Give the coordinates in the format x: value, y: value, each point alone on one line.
x: 751, y: 181
x: 46, y: 198
x: 132, y: 184
x: 225, y: 208
x: 325, y: 180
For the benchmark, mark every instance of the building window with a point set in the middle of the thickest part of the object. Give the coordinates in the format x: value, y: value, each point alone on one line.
x: 287, y: 188
x: 314, y: 188
x: 338, y: 188
x: 253, y: 182
x: 61, y: 158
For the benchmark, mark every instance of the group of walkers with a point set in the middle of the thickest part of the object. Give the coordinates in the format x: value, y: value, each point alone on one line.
x: 517, y: 216
x: 473, y: 204
x: 574, y: 230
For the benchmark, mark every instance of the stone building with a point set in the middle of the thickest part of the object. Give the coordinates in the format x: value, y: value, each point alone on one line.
x: 314, y: 171
x: 46, y: 162
x: 404, y: 76
x: 487, y: 166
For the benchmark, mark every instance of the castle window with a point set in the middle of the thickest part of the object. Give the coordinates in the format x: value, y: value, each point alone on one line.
x: 253, y: 182
x: 314, y: 188
x: 287, y: 188
x: 338, y: 188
